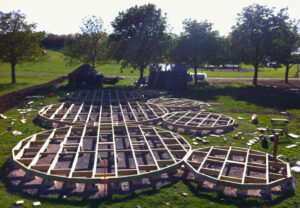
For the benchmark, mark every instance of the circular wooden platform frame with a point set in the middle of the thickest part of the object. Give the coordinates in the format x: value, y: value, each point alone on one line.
x: 177, y: 104
x: 76, y: 154
x: 198, y: 122
x: 113, y: 97
x: 238, y: 167
x: 135, y: 112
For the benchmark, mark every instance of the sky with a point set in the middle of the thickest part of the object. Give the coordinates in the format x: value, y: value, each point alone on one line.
x: 65, y: 16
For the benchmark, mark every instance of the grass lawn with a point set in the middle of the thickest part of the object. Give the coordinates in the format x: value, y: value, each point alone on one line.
x: 30, y: 74
x: 235, y: 100
x: 263, y: 73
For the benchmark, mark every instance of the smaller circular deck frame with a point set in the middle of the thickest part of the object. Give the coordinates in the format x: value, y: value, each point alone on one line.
x: 177, y: 104
x: 200, y: 122
x: 113, y: 96
x: 80, y: 114
x: 237, y: 167
x: 76, y: 154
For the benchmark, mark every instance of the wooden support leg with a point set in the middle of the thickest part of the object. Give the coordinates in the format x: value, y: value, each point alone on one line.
x: 91, y: 187
x: 69, y: 186
x: 29, y: 177
x: 266, y: 194
x: 48, y: 183
x: 241, y: 193
x: 287, y: 187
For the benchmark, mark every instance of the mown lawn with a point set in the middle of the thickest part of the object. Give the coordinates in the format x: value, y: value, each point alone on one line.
x: 235, y: 101
x: 30, y: 74
x: 263, y: 73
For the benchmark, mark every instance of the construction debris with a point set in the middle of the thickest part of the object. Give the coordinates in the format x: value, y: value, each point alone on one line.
x: 291, y: 146
x: 3, y: 116
x: 7, y: 129
x: 184, y: 194
x: 20, y: 202
x: 16, y: 133
x: 296, y: 169
x: 36, y: 204
x: 214, y: 135
x: 294, y: 136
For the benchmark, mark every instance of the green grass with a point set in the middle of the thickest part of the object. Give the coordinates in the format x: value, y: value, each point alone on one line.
x: 263, y: 73
x: 233, y: 102
x: 30, y: 74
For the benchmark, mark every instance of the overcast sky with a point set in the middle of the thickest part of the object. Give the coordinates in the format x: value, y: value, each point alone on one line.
x: 65, y: 16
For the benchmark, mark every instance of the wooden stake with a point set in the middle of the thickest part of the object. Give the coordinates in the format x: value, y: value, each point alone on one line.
x: 275, y: 147
x: 105, y: 188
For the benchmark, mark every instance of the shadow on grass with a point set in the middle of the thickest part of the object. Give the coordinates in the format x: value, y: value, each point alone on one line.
x: 221, y: 198
x: 8, y: 86
x: 264, y: 96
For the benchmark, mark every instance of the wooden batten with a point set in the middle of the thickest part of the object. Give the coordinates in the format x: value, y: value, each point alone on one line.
x: 250, y: 179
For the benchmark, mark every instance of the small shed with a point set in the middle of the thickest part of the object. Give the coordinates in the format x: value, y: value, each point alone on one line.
x: 171, y: 77
x: 85, y: 76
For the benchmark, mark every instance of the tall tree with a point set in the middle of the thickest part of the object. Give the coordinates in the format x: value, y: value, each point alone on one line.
x: 18, y: 41
x: 90, y: 45
x: 252, y: 35
x: 286, y: 41
x: 138, y: 37
x: 197, y: 45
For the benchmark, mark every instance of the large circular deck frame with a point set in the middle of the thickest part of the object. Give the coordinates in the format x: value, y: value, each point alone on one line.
x: 198, y: 122
x: 238, y: 167
x: 177, y: 104
x: 76, y: 154
x: 80, y: 114
x: 113, y: 96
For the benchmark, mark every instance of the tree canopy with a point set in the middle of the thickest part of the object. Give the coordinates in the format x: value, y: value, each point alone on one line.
x: 252, y: 35
x: 196, y: 45
x: 18, y: 41
x: 138, y: 37
x: 90, y: 45
x: 286, y: 41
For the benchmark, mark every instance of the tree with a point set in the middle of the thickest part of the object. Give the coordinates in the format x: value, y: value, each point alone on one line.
x: 18, y: 41
x: 197, y: 45
x: 138, y: 37
x: 286, y: 41
x: 56, y: 41
x: 252, y: 35
x: 90, y: 45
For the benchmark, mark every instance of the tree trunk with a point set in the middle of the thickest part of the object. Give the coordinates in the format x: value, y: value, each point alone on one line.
x: 287, y: 68
x: 141, y: 77
x: 93, y: 63
x: 196, y: 77
x: 255, y: 75
x: 13, y: 73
